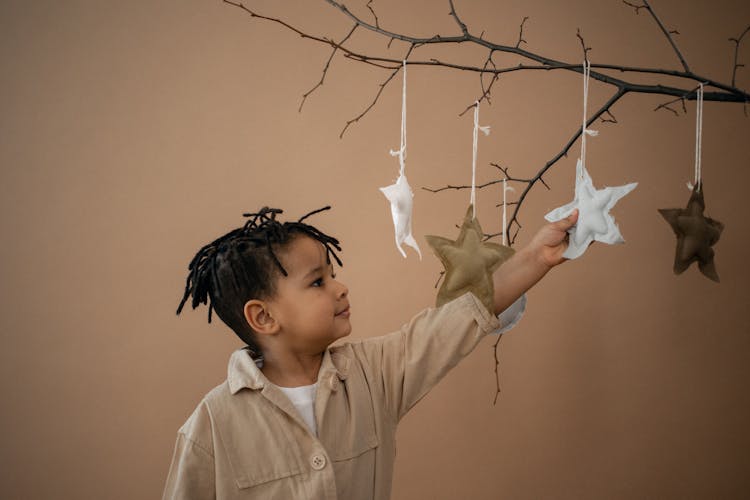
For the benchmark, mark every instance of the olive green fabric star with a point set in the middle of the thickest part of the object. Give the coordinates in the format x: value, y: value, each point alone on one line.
x: 696, y: 234
x: 469, y: 263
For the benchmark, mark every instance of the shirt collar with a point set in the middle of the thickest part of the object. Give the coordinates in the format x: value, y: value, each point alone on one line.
x: 244, y: 373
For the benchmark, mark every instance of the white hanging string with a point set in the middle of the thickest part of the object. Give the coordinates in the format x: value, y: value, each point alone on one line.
x: 584, y: 130
x: 506, y: 188
x: 401, y: 153
x: 486, y: 131
x: 698, y: 138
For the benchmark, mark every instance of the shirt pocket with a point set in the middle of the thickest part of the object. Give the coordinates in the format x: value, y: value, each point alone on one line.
x: 271, y: 474
x: 260, y: 449
x: 349, y: 424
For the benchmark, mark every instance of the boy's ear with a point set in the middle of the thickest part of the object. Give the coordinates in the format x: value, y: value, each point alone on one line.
x: 259, y: 318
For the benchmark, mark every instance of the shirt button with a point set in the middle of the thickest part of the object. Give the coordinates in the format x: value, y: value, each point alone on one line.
x: 334, y: 383
x: 318, y: 462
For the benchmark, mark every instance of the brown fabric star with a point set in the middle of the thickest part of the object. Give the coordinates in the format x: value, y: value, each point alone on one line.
x: 696, y: 234
x: 469, y: 262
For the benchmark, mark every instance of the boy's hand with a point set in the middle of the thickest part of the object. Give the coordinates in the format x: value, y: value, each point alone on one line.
x: 532, y: 262
x: 552, y: 240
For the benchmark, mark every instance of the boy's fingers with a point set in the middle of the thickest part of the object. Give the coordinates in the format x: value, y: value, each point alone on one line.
x: 568, y: 222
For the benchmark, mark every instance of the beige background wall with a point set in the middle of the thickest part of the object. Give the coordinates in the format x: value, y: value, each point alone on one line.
x: 131, y: 133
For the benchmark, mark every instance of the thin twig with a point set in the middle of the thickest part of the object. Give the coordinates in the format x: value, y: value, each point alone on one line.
x: 478, y: 186
x: 668, y: 106
x: 691, y: 94
x: 507, y: 176
x: 486, y: 90
x: 377, y: 96
x: 520, y: 32
x: 611, y: 118
x: 325, y: 69
x: 636, y: 7
x: 397, y: 36
x: 668, y: 34
x: 496, y: 348
x: 377, y: 22
x: 460, y: 23
x: 583, y: 45
x: 737, y: 65
x: 370, y: 106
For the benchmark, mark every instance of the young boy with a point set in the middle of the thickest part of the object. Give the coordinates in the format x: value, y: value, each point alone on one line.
x: 296, y: 418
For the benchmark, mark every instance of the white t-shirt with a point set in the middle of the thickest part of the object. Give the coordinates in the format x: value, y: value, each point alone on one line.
x: 303, y: 398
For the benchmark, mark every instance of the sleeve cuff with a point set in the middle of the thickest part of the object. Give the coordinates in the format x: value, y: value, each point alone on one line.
x: 487, y: 322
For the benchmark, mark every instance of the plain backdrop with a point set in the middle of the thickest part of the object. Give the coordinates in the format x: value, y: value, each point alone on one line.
x: 133, y: 133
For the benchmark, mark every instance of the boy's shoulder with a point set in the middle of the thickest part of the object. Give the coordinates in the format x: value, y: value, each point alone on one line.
x: 216, y: 397
x: 217, y: 394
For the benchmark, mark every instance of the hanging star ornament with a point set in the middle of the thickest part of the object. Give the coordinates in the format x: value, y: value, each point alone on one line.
x: 696, y: 234
x: 400, y: 196
x: 595, y: 223
x: 469, y: 262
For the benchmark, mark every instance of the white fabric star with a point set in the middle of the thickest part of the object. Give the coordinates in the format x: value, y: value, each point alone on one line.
x: 400, y: 197
x: 594, y: 220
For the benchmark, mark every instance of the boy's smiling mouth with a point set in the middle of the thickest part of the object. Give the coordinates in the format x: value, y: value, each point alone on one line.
x: 344, y: 313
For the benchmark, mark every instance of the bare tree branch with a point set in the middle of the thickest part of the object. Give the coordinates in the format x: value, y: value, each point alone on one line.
x: 600, y: 72
x: 730, y: 94
x: 605, y: 73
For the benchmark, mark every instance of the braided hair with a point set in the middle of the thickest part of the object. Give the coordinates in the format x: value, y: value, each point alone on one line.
x: 242, y: 265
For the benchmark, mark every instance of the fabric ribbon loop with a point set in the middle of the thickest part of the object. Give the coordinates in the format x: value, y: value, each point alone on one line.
x: 486, y: 131
x: 506, y: 188
x: 698, y: 138
x: 401, y: 152
x: 586, y: 131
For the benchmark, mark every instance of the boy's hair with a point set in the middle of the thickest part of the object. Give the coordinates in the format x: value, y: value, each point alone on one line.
x: 242, y: 265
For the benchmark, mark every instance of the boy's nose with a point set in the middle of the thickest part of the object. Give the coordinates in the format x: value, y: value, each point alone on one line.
x: 343, y: 291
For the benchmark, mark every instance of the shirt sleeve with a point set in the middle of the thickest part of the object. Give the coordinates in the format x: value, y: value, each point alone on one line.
x: 191, y: 475
x: 412, y: 360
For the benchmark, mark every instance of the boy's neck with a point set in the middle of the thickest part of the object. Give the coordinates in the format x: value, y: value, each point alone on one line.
x: 291, y: 369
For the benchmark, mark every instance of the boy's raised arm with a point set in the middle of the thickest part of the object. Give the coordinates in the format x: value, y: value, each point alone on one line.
x: 532, y: 262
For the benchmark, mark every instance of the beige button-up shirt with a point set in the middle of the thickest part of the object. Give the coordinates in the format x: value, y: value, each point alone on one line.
x: 247, y: 441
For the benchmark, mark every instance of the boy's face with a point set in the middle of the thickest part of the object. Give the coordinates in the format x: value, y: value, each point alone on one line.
x: 311, y: 307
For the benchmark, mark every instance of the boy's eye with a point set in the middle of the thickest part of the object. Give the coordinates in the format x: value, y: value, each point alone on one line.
x: 318, y: 282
